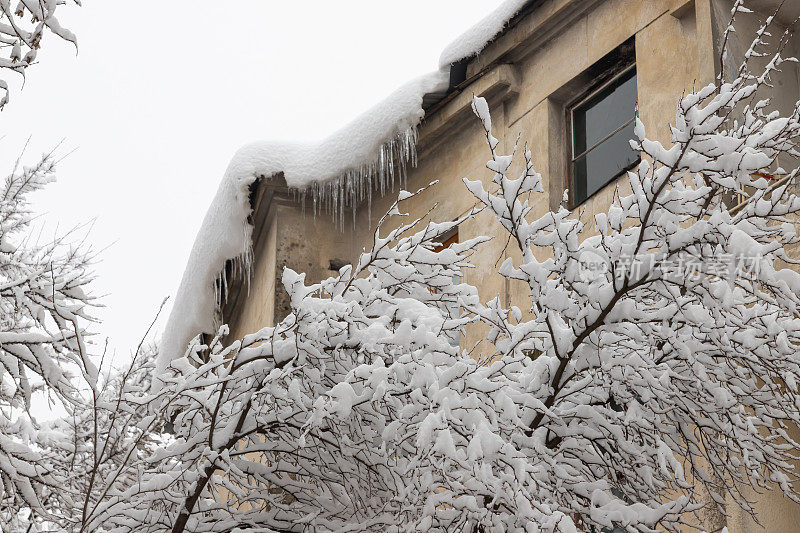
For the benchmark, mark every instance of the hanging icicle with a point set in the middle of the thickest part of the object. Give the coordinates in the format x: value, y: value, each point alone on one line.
x: 355, y: 186
x: 369, y: 155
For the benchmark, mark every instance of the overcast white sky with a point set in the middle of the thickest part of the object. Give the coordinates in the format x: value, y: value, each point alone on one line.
x: 161, y: 93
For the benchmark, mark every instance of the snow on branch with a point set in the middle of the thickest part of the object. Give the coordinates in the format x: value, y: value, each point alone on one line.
x: 22, y: 30
x: 44, y: 305
x: 618, y: 396
x: 264, y: 407
x: 658, y: 358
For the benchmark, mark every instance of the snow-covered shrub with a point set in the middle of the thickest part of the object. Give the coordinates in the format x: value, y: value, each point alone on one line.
x: 99, y: 439
x: 609, y: 403
x: 281, y: 412
x: 43, y: 306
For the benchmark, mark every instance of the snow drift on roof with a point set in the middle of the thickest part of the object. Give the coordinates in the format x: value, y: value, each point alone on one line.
x: 349, y: 160
x: 225, y: 232
x: 475, y: 39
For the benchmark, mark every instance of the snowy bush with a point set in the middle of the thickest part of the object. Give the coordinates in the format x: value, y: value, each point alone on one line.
x: 611, y: 402
x: 43, y: 306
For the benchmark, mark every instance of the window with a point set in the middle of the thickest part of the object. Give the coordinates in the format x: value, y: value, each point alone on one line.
x: 448, y: 241
x: 601, y: 124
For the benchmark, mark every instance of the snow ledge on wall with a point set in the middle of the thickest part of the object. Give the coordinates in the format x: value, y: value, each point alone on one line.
x: 475, y: 39
x: 349, y: 162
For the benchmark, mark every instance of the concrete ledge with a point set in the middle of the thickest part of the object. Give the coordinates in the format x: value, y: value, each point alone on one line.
x: 498, y: 83
x: 531, y: 30
x: 682, y: 8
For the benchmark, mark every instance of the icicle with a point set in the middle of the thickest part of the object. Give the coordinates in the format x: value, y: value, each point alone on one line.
x: 241, y: 268
x: 382, y: 174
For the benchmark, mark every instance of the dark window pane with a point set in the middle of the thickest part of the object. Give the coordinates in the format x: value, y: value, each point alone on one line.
x: 608, y: 110
x: 599, y: 147
x: 594, y: 169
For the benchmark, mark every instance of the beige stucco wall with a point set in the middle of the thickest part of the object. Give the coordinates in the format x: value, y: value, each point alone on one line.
x: 674, y: 42
x: 295, y: 238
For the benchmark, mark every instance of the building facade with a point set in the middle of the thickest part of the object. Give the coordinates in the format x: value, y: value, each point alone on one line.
x: 564, y: 75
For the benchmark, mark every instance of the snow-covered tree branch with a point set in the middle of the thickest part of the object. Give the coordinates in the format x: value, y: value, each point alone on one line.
x: 43, y: 309
x: 612, y: 399
x: 22, y: 29
x: 259, y: 406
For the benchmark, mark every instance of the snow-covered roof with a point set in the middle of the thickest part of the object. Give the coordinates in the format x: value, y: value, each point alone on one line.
x: 365, y: 150
x: 471, y: 42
